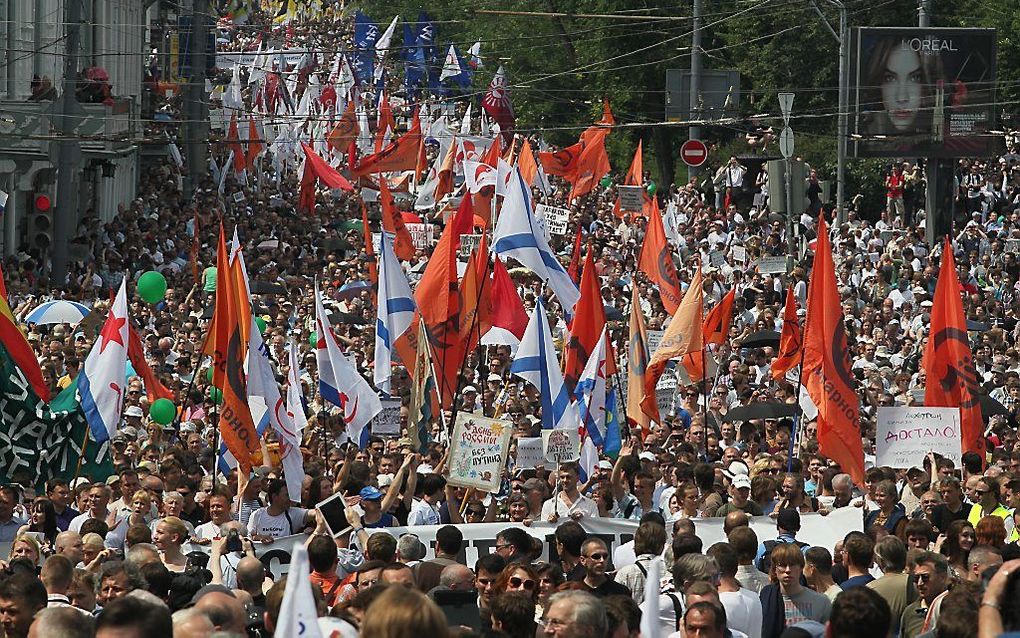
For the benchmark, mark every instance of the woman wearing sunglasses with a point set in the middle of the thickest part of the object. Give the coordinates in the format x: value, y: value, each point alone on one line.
x: 518, y: 577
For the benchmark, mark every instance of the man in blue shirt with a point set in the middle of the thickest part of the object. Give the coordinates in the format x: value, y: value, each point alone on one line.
x: 858, y: 554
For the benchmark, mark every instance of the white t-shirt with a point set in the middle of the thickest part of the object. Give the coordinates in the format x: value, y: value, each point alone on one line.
x: 423, y: 514
x: 262, y: 523
x: 582, y: 504
x: 207, y: 531
x: 743, y: 611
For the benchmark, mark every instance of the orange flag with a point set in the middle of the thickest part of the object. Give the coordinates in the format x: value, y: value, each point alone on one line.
x: 438, y: 299
x: 657, y: 263
x: 476, y: 288
x: 683, y: 335
x: 948, y: 364
x: 384, y: 123
x: 373, y: 267
x: 393, y: 223
x: 592, y: 165
x: 563, y: 162
x: 790, y: 341
x: 527, y: 164
x: 586, y: 327
x: 637, y: 362
x: 345, y: 131
x: 715, y: 329
x: 826, y: 370
x: 230, y: 346
x: 402, y: 154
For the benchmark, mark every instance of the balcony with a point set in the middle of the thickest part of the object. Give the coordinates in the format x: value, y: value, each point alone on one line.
x: 30, y: 127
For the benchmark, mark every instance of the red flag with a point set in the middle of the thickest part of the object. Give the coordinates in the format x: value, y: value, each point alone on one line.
x: 345, y: 131
x: 17, y: 346
x: 507, y: 308
x: 790, y: 341
x: 384, y: 123
x: 497, y: 104
x: 255, y: 143
x: 402, y: 154
x: 153, y: 388
x: 316, y: 169
x: 438, y: 298
x: 826, y: 370
x: 586, y: 328
x: 393, y: 223
x: 234, y: 144
x: 948, y: 363
x: 575, y: 258
x: 373, y: 268
x: 657, y: 263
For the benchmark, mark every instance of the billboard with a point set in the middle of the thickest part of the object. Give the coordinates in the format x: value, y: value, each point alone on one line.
x: 926, y: 92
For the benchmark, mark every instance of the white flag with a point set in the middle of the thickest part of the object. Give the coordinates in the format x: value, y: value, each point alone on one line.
x: 298, y: 616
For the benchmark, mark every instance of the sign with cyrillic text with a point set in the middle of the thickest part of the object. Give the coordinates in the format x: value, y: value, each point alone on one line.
x: 907, y: 434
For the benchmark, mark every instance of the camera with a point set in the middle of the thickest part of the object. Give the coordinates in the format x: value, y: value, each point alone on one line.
x: 233, y: 541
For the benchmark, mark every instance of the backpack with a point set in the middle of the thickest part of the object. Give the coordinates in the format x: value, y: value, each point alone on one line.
x: 766, y: 561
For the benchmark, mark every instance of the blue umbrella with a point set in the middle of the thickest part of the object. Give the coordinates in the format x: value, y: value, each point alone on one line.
x: 59, y: 311
x: 352, y: 289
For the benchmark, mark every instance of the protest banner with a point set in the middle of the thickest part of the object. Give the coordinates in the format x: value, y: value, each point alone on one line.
x: 555, y: 218
x: 561, y: 446
x: 387, y: 422
x: 478, y: 451
x: 905, y: 435
x: 717, y: 258
x: 739, y: 254
x: 654, y: 339
x: 632, y: 198
x: 480, y: 538
x: 529, y: 453
x: 423, y: 236
x: 468, y: 244
x: 772, y: 264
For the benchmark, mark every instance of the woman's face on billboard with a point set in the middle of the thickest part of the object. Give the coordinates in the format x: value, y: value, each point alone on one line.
x: 901, y: 87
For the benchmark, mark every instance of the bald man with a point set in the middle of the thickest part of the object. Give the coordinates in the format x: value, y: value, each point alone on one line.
x: 224, y: 610
x: 192, y: 623
x: 69, y: 544
x: 734, y: 520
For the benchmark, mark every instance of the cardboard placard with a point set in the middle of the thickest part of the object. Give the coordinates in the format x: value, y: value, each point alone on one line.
x: 739, y: 254
x: 632, y: 198
x: 561, y: 446
x: 905, y: 435
x: 654, y: 339
x: 422, y: 235
x: 387, y: 422
x: 529, y: 453
x: 468, y: 243
x: 555, y: 218
x: 478, y: 452
x: 717, y: 258
x: 772, y: 264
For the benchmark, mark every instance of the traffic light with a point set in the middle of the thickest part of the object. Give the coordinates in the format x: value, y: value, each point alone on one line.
x: 40, y: 223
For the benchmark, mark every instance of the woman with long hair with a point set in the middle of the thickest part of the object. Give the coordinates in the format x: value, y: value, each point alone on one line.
x: 956, y: 545
x: 899, y: 89
x: 550, y: 576
x: 42, y: 520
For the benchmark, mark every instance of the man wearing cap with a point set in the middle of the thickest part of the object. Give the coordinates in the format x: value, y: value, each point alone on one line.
x: 469, y: 399
x: 740, y: 494
x: 133, y: 416
x: 371, y: 503
x: 787, y: 524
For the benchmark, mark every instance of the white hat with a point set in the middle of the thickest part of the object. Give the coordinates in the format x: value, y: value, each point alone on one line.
x: 605, y: 465
x: 134, y: 410
x: 735, y: 469
x: 740, y: 481
x: 188, y: 427
x: 646, y: 456
x: 469, y: 388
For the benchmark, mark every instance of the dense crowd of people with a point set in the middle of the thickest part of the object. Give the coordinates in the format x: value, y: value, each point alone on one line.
x: 170, y: 545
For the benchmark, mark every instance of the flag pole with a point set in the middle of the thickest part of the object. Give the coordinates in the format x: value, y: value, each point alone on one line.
x: 81, y: 453
x: 704, y: 397
x: 215, y: 422
x: 473, y: 327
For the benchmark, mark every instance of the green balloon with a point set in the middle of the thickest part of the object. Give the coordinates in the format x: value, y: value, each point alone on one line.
x: 152, y: 287
x: 652, y: 188
x: 261, y: 323
x: 208, y: 374
x: 216, y: 395
x: 163, y: 411
x: 606, y: 182
x: 313, y: 338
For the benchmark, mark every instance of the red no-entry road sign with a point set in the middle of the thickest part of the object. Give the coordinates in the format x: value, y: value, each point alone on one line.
x: 694, y: 153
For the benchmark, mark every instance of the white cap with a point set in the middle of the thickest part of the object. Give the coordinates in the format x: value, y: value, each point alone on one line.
x: 605, y: 465
x: 735, y: 469
x: 134, y: 410
x: 646, y: 456
x: 741, y: 481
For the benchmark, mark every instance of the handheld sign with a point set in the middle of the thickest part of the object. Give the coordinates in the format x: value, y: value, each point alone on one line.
x: 632, y: 198
x: 905, y: 435
x: 478, y: 452
x: 529, y: 453
x: 387, y: 422
x: 561, y: 446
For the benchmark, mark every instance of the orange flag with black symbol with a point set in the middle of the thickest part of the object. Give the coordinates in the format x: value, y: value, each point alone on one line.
x: 683, y: 336
x: 790, y: 340
x: 657, y: 263
x: 826, y: 370
x: 637, y: 362
x: 948, y: 363
x: 229, y: 348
